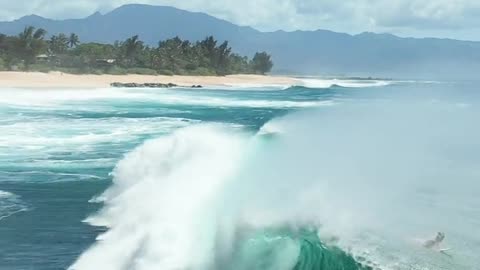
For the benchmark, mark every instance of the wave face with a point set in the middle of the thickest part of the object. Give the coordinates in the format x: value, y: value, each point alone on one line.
x: 298, y: 195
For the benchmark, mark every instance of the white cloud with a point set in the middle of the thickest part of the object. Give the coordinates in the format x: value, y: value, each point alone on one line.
x: 415, y: 17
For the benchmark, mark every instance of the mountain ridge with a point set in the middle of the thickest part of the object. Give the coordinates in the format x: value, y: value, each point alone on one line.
x: 296, y: 52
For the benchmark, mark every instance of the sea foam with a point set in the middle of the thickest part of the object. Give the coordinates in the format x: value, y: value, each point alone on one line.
x: 10, y: 204
x: 347, y: 83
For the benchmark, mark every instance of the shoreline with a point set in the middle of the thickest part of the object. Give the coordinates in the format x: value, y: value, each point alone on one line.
x: 15, y: 79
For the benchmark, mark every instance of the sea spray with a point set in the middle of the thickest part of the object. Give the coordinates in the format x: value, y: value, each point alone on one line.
x: 355, y: 177
x: 161, y: 210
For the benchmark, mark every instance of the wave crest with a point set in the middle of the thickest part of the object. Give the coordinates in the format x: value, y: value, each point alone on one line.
x: 161, y: 210
x: 344, y: 83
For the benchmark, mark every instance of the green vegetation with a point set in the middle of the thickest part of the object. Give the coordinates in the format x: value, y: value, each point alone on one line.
x: 262, y: 62
x: 32, y: 51
x: 2, y: 64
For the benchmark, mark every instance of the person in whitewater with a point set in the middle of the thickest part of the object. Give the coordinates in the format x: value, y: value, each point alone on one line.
x: 435, y: 243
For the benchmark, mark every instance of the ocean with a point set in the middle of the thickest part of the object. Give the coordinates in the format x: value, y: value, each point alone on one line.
x: 333, y: 174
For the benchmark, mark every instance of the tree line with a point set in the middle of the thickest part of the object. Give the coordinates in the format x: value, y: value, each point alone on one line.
x: 31, y: 50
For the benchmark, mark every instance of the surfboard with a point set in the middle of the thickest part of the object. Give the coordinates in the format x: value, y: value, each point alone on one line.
x: 444, y: 252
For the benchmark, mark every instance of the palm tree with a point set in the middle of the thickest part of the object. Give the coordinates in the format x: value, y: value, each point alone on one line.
x: 209, y: 44
x: 30, y: 35
x: 52, y: 44
x: 31, y: 43
x: 3, y: 43
x: 262, y: 63
x: 58, y: 44
x: 3, y: 37
x: 73, y: 40
x: 63, y: 42
x: 131, y: 47
x: 222, y: 57
x: 171, y: 51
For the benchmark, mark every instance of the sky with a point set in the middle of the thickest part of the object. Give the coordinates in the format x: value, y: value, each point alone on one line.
x: 458, y: 19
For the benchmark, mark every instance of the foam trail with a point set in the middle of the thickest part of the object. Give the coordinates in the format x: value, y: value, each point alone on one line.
x: 10, y: 204
x: 58, y: 99
x: 372, y: 177
x: 250, y: 86
x: 327, y: 83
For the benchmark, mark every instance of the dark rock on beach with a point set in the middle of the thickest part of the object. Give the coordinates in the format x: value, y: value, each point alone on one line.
x: 143, y: 85
x: 149, y: 85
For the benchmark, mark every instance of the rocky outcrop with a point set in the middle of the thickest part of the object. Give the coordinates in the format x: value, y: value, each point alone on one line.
x: 148, y: 85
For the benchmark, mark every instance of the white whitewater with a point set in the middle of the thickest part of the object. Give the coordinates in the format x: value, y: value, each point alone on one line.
x: 346, y: 83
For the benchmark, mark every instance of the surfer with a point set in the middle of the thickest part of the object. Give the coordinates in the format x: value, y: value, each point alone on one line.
x: 435, y: 243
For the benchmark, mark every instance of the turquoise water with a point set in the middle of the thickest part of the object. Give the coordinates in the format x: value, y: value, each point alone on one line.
x: 351, y: 177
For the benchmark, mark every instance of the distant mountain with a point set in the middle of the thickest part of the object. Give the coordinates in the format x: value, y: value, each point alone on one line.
x: 300, y: 52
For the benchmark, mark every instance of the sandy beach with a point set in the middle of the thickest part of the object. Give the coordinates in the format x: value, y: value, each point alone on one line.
x: 63, y: 80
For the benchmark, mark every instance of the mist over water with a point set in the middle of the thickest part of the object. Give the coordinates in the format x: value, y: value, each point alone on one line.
x: 298, y: 178
x: 382, y: 177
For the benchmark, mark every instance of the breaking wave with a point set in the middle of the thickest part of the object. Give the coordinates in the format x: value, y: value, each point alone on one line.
x: 298, y: 195
x: 175, y: 205
x: 345, y: 83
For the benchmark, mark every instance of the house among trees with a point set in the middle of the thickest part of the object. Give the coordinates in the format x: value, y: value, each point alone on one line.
x: 46, y: 58
x: 42, y: 58
x: 105, y: 62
